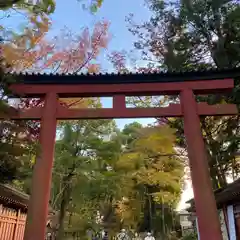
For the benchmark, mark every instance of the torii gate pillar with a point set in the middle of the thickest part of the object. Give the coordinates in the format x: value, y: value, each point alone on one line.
x: 42, y: 173
x: 208, y: 220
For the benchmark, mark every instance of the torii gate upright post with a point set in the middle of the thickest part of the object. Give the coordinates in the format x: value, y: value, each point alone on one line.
x: 42, y: 173
x: 208, y: 220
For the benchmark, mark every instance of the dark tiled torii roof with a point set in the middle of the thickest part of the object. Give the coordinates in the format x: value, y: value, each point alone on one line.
x: 125, y: 78
x: 13, y: 198
x: 225, y: 196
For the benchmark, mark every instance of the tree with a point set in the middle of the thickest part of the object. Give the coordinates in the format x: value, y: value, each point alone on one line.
x: 30, y: 51
x: 38, y: 7
x: 131, y: 132
x: 18, y: 138
x: 23, y: 52
x: 75, y: 164
x: 16, y: 149
x: 66, y: 53
x: 195, y: 29
x: 154, y: 173
x: 43, y: 6
x: 15, y: 152
x: 100, y: 171
x: 93, y: 6
x: 187, y: 35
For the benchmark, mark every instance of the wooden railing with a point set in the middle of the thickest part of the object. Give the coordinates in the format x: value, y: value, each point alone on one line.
x: 12, y: 224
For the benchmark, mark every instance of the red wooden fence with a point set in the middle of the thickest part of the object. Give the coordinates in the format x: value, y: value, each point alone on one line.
x: 12, y: 224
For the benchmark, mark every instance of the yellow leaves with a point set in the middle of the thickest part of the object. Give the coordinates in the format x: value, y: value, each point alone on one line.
x: 95, y: 5
x: 93, y: 68
x: 99, y: 3
x: 157, y: 139
x: 128, y: 161
x: 75, y: 102
x: 128, y: 208
x: 9, y: 54
x: 148, y: 150
x: 148, y: 164
x: 21, y: 53
x: 163, y: 197
x: 33, y: 160
x: 164, y: 101
x: 41, y: 24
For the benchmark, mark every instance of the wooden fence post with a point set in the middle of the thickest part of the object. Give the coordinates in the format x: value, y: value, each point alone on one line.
x: 1, y: 222
x: 16, y: 230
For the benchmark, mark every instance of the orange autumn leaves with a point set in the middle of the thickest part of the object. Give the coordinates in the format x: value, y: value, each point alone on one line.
x: 20, y: 52
x: 35, y: 51
x: 79, y: 53
x: 66, y: 53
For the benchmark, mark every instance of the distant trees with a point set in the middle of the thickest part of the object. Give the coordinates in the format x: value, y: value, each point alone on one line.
x: 130, y: 178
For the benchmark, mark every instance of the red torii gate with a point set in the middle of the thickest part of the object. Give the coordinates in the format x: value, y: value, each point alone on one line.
x: 52, y: 87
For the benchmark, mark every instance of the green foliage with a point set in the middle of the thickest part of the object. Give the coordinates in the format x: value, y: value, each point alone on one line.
x: 116, y: 174
x: 189, y: 35
x: 92, y: 5
x: 80, y: 170
x: 15, y: 152
x: 190, y: 236
x: 43, y: 6
x: 131, y: 132
x: 15, y: 149
x: 96, y: 5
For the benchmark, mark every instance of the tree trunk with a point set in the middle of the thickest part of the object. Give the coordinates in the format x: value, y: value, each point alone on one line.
x: 214, y: 165
x: 64, y: 204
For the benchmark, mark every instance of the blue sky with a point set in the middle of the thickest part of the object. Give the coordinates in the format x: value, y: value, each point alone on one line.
x: 71, y: 15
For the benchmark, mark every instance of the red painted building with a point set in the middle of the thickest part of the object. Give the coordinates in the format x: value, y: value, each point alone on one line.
x: 13, y: 212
